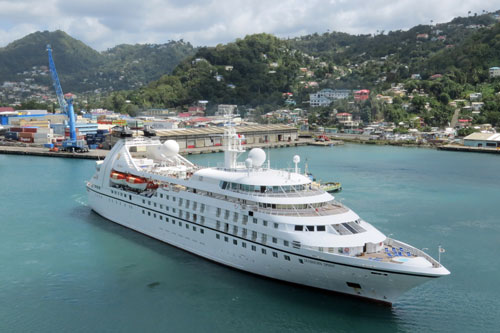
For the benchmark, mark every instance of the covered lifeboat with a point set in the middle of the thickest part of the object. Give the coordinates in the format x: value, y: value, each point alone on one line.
x: 118, y: 178
x: 137, y: 183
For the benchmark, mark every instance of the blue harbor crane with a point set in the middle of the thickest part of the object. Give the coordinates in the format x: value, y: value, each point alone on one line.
x: 66, y: 104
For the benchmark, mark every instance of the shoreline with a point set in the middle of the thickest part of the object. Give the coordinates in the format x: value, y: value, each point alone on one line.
x: 100, y: 154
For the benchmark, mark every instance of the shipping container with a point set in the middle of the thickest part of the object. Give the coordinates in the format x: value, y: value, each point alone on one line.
x: 26, y: 135
x: 49, y: 145
x: 29, y: 129
x: 16, y: 129
x: 29, y: 140
x: 11, y: 135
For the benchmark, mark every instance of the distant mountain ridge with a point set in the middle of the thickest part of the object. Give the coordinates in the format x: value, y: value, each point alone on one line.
x: 82, y: 68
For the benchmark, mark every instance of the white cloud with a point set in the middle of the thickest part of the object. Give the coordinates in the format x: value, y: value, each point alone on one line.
x: 106, y: 23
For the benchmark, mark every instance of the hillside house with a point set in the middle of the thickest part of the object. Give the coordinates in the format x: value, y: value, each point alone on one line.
x: 494, y: 71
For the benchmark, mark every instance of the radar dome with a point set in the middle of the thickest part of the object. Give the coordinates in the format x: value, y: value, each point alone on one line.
x: 258, y: 156
x: 296, y: 159
x: 248, y: 163
x: 170, y: 148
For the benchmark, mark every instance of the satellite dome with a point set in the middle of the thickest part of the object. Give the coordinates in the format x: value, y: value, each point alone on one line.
x: 248, y: 163
x: 170, y: 148
x: 296, y: 159
x: 258, y: 156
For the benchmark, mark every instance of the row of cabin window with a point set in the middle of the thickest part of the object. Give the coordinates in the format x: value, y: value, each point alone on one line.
x: 262, y: 188
x: 253, y: 247
x: 124, y: 195
x: 294, y: 206
x: 167, y: 219
x: 154, y: 204
x: 244, y: 218
x: 187, y: 216
x: 310, y: 228
x: 244, y: 233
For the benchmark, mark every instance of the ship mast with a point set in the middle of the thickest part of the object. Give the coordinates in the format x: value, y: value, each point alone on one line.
x: 232, y: 142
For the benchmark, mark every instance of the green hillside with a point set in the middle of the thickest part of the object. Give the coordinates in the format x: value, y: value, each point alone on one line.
x: 81, y: 68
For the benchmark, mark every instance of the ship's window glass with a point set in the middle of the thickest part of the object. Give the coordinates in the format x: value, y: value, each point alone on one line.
x: 166, y: 219
x: 275, y: 240
x: 130, y: 197
x: 149, y: 213
x: 301, y: 261
x: 254, y: 220
x: 202, y: 207
x: 161, y: 206
x: 226, y: 227
x: 180, y: 224
x: 320, y: 228
x: 143, y: 211
x: 180, y: 201
x: 187, y: 215
x: 263, y: 251
x: 299, y: 227
x: 202, y: 220
x: 218, y: 211
x: 217, y: 225
x: 309, y: 227
x: 245, y: 219
x: 202, y: 231
x: 195, y: 217
x: 149, y: 202
x: 225, y: 239
x: 286, y: 243
x: 287, y: 257
x: 264, y: 222
x: 187, y: 203
x: 235, y: 217
x: 217, y: 236
x: 173, y: 198
x: 154, y: 204
x: 173, y: 221
x: 276, y: 225
x: 173, y: 210
x: 154, y: 215
x: 275, y: 254
x: 226, y: 214
x: 187, y: 226
x: 168, y: 197
x: 243, y: 244
x: 235, y: 242
x: 195, y: 204
x: 167, y: 208
x: 161, y: 196
x: 254, y: 248
x: 235, y: 230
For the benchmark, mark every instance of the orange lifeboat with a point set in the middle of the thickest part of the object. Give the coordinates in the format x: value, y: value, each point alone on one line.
x: 118, y: 178
x: 137, y: 183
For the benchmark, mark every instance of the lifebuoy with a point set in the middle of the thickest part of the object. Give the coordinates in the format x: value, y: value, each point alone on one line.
x: 346, y: 250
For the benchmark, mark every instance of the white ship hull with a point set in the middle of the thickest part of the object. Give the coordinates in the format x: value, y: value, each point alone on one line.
x: 343, y: 274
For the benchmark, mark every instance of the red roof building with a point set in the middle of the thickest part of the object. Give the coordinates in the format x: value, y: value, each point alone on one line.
x: 361, y: 95
x: 6, y: 109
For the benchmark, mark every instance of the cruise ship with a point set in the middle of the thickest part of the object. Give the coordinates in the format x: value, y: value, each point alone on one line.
x: 274, y: 223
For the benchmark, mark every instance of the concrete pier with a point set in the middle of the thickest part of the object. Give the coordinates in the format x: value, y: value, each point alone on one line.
x: 100, y: 154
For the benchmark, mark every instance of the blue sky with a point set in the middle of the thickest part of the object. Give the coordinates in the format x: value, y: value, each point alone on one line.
x: 105, y: 23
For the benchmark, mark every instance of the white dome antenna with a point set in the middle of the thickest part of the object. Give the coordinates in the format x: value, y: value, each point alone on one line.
x: 258, y: 157
x: 296, y: 160
x: 170, y: 148
x: 249, y: 163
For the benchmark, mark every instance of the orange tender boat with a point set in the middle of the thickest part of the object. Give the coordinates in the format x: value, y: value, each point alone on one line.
x: 118, y: 178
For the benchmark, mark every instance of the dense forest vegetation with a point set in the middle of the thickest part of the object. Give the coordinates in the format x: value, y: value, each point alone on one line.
x: 81, y: 68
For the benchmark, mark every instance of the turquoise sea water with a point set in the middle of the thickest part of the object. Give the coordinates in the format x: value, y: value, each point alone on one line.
x: 64, y: 268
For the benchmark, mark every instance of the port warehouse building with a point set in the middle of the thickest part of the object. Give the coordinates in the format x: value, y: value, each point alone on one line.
x: 212, y: 136
x: 484, y: 140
